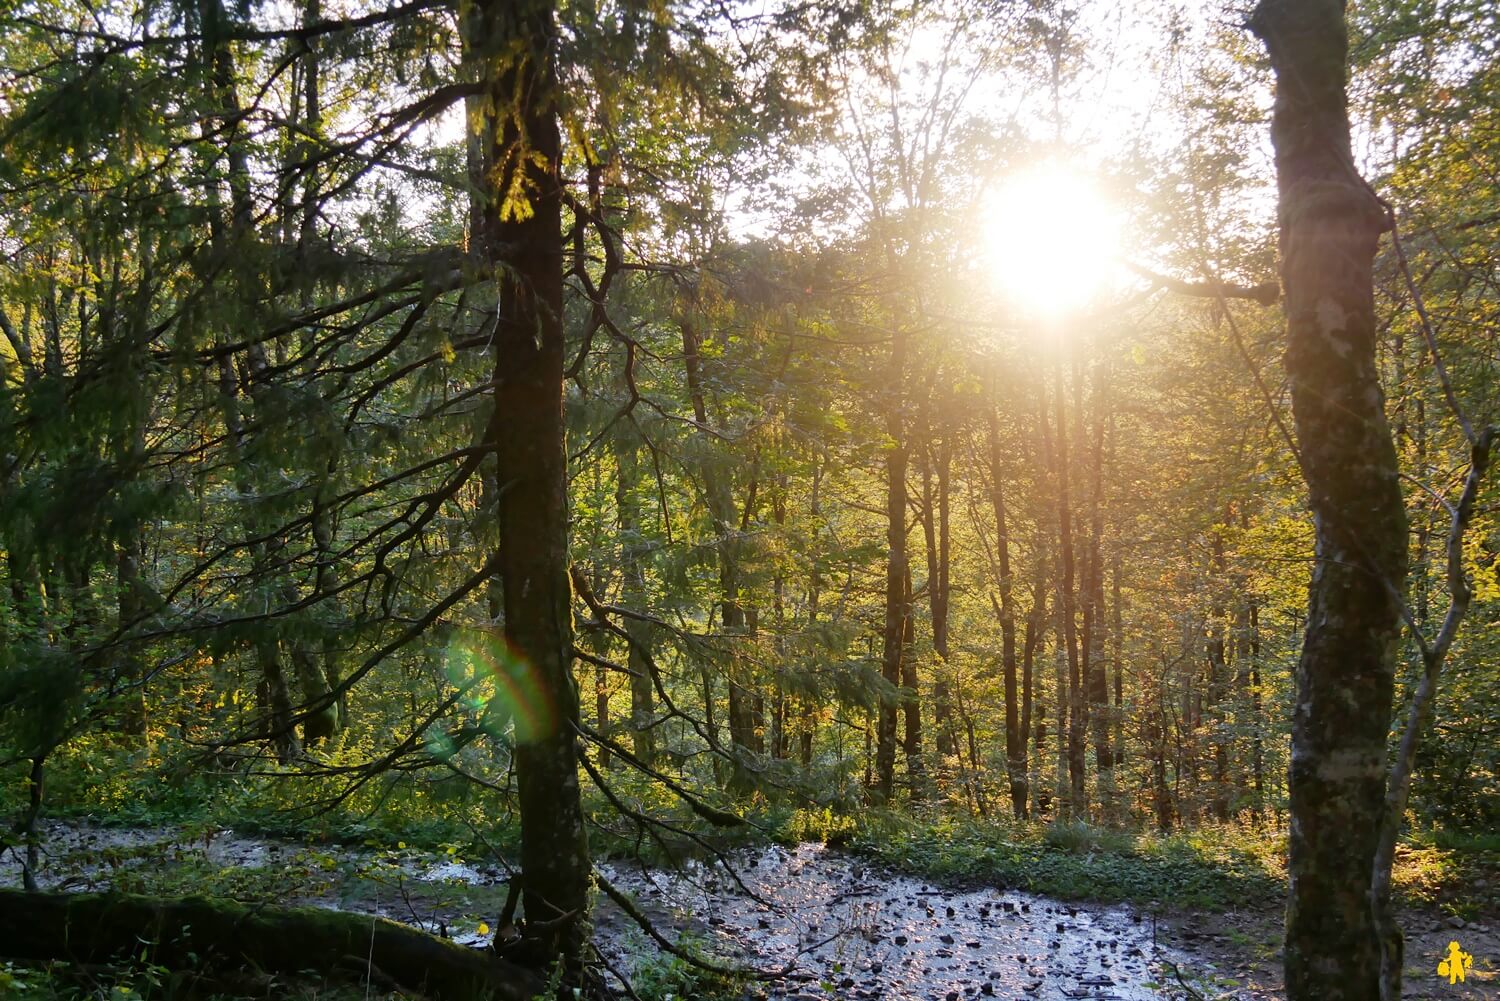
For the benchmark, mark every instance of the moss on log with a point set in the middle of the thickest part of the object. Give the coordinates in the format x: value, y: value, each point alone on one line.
x: 207, y: 935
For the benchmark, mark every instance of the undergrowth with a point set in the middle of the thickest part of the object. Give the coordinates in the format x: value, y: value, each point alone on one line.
x: 1213, y: 868
x: 147, y: 982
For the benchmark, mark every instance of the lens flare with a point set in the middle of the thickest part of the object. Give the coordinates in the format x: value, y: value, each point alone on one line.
x: 504, y: 687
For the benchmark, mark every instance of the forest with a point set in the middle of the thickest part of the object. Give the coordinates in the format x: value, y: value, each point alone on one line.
x: 749, y: 499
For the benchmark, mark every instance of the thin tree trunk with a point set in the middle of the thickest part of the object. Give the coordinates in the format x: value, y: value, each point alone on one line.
x: 1072, y: 749
x: 1094, y: 627
x: 814, y: 595
x: 780, y: 738
x: 1015, y: 727
x: 1117, y: 641
x: 740, y: 695
x: 892, y: 636
x: 911, y: 702
x: 633, y: 595
x: 1257, y: 710
x: 935, y: 510
x: 1218, y: 682
x: 1160, y: 792
x: 1434, y: 656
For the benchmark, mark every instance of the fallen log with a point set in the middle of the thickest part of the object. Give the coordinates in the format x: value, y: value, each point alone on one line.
x: 208, y: 934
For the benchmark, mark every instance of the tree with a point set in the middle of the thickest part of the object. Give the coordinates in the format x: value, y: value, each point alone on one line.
x: 1331, y: 223
x: 521, y: 243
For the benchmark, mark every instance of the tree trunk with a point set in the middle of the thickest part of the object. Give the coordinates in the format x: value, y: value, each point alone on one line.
x: 1117, y: 659
x: 1015, y: 726
x: 1434, y: 655
x: 1161, y: 795
x: 935, y: 510
x: 201, y: 935
x: 1036, y: 629
x: 1218, y: 682
x: 1073, y: 747
x: 1330, y: 227
x: 522, y: 239
x: 717, y: 488
x: 633, y: 596
x: 808, y: 723
x: 892, y: 637
x: 1097, y: 676
x: 911, y: 701
x: 1257, y: 712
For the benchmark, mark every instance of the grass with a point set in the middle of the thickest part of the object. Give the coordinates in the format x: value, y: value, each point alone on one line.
x: 1456, y: 872
x: 1213, y: 868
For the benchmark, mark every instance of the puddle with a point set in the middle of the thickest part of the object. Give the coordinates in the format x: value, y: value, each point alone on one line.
x: 848, y: 929
x: 860, y: 932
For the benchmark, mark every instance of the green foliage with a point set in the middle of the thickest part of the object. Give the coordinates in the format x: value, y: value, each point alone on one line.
x: 825, y: 825
x: 665, y: 977
x: 1211, y: 868
x: 144, y: 982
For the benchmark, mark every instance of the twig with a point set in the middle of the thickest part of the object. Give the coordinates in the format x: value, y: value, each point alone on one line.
x: 1426, y: 323
x: 635, y: 914
x: 1181, y: 980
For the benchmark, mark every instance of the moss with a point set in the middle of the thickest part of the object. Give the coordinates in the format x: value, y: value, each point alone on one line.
x: 206, y: 935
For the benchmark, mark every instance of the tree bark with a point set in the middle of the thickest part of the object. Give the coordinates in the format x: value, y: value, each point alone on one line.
x: 1036, y: 633
x: 1330, y: 225
x: 1095, y: 670
x: 522, y: 240
x: 935, y: 511
x: 1218, y: 681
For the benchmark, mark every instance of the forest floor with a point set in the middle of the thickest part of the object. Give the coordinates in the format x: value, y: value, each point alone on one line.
x: 1245, y: 947
x: 855, y: 925
x: 846, y: 928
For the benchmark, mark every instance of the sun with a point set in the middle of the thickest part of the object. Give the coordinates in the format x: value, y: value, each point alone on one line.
x: 1052, y: 240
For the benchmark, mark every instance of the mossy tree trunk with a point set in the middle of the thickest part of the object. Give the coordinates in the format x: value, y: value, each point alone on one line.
x: 212, y: 937
x: 1330, y: 227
